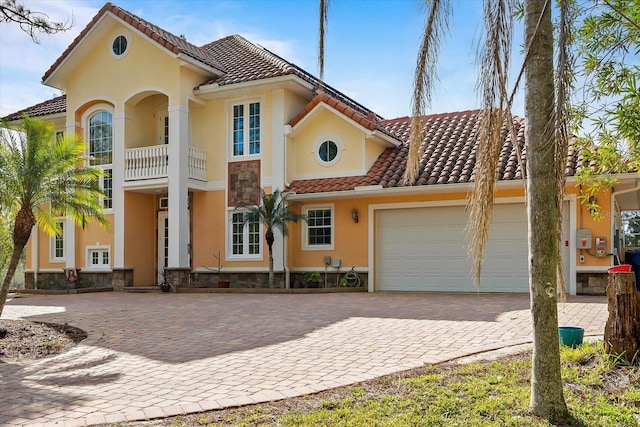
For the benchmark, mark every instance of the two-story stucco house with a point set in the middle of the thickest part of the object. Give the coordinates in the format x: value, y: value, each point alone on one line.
x: 186, y: 134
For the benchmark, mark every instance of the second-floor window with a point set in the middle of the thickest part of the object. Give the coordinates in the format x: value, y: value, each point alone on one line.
x: 101, y: 151
x: 246, y: 129
x: 100, y: 138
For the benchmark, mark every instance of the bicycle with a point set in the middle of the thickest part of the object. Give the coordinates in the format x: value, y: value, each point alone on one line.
x: 351, y: 279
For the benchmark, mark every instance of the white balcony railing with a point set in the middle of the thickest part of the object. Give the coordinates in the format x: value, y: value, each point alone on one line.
x: 197, y: 164
x: 153, y: 162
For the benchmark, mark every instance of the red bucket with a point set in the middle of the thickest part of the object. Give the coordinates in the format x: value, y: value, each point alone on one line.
x: 619, y: 268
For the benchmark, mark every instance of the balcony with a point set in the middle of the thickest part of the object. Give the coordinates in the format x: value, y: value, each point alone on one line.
x: 153, y: 162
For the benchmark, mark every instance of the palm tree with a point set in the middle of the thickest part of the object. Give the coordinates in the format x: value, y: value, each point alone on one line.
x: 42, y: 177
x: 273, y: 214
x: 546, y: 147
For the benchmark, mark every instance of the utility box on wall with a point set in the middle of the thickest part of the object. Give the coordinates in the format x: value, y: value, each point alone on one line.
x: 583, y: 237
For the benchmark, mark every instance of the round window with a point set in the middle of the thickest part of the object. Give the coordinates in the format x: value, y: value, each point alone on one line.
x: 328, y: 151
x: 119, y: 45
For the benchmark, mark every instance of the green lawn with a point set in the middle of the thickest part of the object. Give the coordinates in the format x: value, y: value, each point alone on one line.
x: 491, y: 393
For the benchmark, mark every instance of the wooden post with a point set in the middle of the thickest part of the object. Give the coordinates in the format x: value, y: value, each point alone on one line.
x: 622, y: 331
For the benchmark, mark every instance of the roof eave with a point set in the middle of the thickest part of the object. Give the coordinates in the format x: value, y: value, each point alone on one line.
x: 196, y: 65
x: 215, y: 90
x: 377, y: 190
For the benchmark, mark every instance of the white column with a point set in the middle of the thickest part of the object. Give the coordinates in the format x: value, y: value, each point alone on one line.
x: 69, y: 238
x: 119, y: 120
x: 277, y: 165
x: 35, y: 252
x: 178, y: 192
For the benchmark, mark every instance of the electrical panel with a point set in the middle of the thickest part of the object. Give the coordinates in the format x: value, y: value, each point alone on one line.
x: 601, y: 246
x: 583, y: 237
x: 336, y: 263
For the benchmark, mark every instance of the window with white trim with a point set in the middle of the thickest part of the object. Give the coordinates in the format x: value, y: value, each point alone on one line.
x: 246, y: 129
x: 328, y: 149
x: 106, y: 183
x: 318, y: 230
x: 57, y: 244
x: 245, y: 236
x: 98, y: 257
x: 100, y: 137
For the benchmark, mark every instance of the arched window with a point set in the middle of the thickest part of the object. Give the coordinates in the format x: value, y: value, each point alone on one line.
x: 100, y: 138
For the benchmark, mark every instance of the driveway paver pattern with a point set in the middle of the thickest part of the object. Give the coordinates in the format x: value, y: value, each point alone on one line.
x: 155, y: 355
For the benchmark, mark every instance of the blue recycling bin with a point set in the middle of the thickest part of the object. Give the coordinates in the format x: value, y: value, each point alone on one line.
x: 633, y: 257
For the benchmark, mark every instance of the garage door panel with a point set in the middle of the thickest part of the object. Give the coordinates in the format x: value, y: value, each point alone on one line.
x: 425, y: 249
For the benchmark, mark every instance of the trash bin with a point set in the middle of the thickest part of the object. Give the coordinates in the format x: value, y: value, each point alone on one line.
x: 633, y: 257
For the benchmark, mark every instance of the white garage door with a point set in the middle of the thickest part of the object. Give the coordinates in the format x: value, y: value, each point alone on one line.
x: 425, y: 249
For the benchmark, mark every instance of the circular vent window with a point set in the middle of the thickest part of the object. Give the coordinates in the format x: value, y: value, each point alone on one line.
x: 328, y: 151
x: 120, y: 45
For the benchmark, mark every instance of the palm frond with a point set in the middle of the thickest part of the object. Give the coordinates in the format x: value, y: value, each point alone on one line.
x: 495, y: 116
x: 562, y: 119
x: 437, y: 24
x: 322, y: 30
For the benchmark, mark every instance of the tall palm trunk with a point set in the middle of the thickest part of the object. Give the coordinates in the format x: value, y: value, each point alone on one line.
x: 547, y: 400
x: 270, y: 239
x: 25, y: 220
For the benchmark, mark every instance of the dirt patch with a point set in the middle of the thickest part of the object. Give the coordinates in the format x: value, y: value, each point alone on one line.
x: 22, y: 340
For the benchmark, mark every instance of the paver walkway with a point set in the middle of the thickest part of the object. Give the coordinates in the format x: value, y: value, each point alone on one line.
x: 155, y: 355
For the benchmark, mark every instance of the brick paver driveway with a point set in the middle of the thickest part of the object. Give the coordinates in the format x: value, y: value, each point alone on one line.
x: 153, y: 355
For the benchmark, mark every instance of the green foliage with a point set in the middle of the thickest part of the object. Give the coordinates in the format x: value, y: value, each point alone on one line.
x: 312, y: 276
x: 491, y: 393
x: 608, y: 43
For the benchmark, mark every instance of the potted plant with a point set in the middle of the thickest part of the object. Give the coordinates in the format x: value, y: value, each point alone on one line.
x: 221, y: 283
x: 312, y: 279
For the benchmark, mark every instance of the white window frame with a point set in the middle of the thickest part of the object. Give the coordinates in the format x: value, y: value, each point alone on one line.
x: 305, y: 228
x: 86, y: 117
x: 112, y: 39
x: 318, y: 143
x: 245, y: 256
x: 100, y: 249
x: 246, y: 143
x: 52, y: 244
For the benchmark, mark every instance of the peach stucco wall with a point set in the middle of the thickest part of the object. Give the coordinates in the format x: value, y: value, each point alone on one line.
x: 140, y: 237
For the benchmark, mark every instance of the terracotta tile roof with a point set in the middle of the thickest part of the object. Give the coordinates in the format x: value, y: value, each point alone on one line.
x: 244, y: 61
x: 46, y: 108
x: 449, y: 152
x: 162, y: 37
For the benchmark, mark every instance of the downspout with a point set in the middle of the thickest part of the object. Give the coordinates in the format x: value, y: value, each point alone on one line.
x: 285, y: 246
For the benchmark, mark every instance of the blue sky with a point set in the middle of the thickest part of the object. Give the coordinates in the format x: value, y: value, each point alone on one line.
x: 371, y: 45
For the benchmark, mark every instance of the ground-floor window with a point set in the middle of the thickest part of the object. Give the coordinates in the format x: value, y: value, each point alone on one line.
x: 98, y: 257
x: 244, y: 237
x: 57, y: 244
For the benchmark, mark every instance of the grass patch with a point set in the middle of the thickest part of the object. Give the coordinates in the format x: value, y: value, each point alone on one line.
x: 490, y: 393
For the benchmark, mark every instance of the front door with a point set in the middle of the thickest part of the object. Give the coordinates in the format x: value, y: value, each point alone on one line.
x: 163, y: 243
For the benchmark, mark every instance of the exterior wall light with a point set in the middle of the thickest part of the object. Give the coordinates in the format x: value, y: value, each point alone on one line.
x: 354, y: 214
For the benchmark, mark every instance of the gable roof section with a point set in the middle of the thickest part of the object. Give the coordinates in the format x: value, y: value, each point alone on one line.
x: 173, y: 43
x: 370, y: 121
x: 448, y: 156
x: 244, y: 61
x: 49, y: 107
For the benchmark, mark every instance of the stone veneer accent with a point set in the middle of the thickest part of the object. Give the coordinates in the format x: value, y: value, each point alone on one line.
x: 177, y: 277
x: 261, y: 280
x: 122, y: 278
x: 58, y: 281
x: 244, y: 183
x: 592, y: 283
